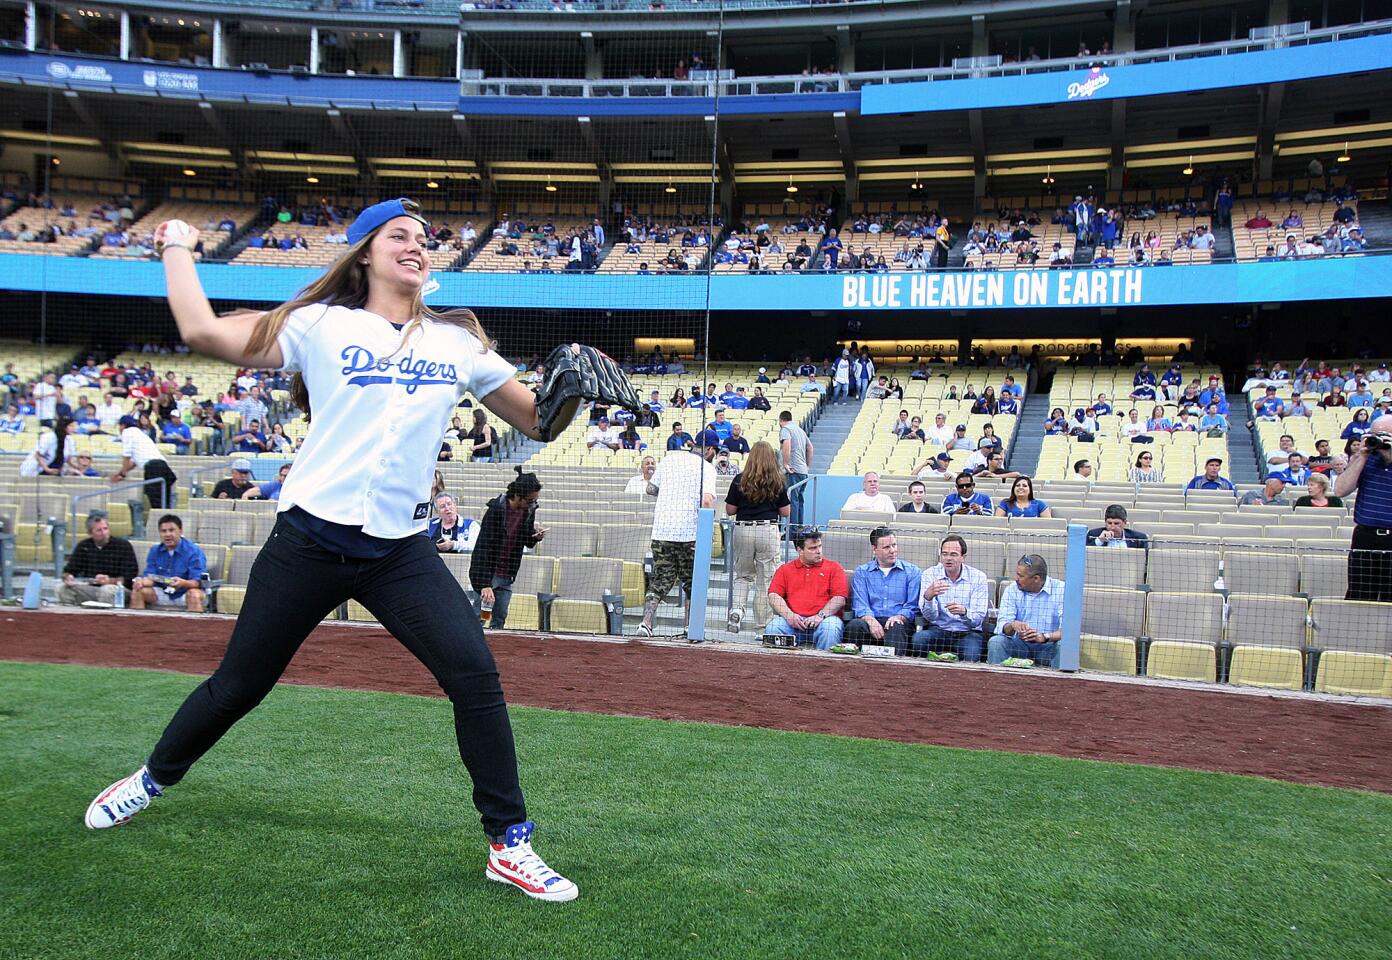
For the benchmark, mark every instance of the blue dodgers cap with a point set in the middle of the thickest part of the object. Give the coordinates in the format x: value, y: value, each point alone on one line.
x: 378, y: 214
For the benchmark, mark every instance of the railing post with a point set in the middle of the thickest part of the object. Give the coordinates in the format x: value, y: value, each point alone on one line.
x: 7, y: 562
x: 1076, y: 563
x: 700, y: 578
x: 59, y: 535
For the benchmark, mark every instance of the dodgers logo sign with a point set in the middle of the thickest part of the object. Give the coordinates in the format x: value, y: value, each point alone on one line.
x: 1096, y: 81
x: 363, y: 369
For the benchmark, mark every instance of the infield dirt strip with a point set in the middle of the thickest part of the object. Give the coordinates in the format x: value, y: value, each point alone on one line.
x: 1303, y: 740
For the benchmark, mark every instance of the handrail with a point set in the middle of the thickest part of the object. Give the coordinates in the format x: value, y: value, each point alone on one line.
x: 855, y: 80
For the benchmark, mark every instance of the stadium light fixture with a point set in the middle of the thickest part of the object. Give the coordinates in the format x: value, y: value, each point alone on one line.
x: 917, y: 184
x: 431, y: 184
x: 669, y: 188
x: 1343, y: 157
x: 550, y: 187
x: 1048, y: 174
x: 1188, y: 170
x: 190, y: 172
x: 791, y: 188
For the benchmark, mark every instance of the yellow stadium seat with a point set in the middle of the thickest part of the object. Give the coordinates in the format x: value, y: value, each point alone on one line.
x: 230, y: 598
x: 634, y: 584
x: 1357, y: 674
x: 578, y: 616
x: 1278, y: 668
x: 1108, y: 654
x: 356, y: 611
x: 1182, y: 660
x: 524, y: 612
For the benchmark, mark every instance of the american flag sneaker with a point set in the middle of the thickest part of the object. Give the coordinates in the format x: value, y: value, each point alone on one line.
x: 514, y: 862
x: 122, y: 800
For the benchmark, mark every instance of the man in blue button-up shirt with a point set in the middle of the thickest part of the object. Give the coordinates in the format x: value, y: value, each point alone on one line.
x: 1029, y: 622
x: 955, y: 601
x: 174, y: 571
x: 884, y: 596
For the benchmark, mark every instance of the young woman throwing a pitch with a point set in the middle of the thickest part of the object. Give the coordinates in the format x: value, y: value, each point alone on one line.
x: 382, y: 373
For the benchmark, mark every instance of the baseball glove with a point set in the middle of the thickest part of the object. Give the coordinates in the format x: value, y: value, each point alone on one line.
x: 575, y: 373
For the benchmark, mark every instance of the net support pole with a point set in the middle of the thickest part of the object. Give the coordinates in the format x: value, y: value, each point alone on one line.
x: 700, y: 576
x: 1076, y: 562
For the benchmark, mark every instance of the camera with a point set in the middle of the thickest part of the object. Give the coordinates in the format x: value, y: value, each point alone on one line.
x: 1373, y: 442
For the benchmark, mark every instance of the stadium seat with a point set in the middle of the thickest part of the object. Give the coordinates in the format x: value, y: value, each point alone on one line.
x: 1185, y: 616
x: 592, y: 581
x: 1262, y: 572
x: 218, y: 526
x: 1323, y: 575
x: 1182, y: 660
x: 1354, y: 674
x: 1275, y: 667
x: 577, y: 616
x: 1267, y: 621
x: 1357, y: 626
x: 570, y: 540
x: 357, y: 612
x: 1113, y: 567
x: 1112, y: 621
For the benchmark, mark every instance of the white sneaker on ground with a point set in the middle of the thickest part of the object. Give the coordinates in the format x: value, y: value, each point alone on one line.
x: 514, y: 862
x: 122, y: 800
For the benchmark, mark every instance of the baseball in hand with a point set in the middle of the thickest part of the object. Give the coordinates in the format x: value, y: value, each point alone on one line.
x: 178, y: 233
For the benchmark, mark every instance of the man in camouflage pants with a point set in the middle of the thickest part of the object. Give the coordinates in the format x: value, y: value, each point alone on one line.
x: 683, y: 483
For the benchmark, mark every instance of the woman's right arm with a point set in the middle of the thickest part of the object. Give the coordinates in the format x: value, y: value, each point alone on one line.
x: 224, y: 338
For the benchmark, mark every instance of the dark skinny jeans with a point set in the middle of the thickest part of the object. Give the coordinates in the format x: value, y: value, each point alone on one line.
x: 293, y: 585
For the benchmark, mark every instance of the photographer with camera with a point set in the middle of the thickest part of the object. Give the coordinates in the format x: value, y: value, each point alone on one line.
x: 1369, y: 472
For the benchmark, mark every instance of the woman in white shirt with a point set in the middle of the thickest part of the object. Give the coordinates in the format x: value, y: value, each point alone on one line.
x: 45, y: 460
x: 383, y: 372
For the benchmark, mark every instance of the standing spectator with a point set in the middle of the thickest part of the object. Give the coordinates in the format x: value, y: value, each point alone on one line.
x: 98, y: 565
x: 1114, y: 532
x: 885, y: 593
x: 869, y: 496
x: 46, y: 396
x: 508, y: 526
x: 1210, y: 478
x: 1369, y: 472
x: 807, y: 595
x: 52, y: 449
x: 841, y: 377
x: 757, y: 498
x: 174, y: 570
x: 955, y: 601
x: 796, y: 452
x: 1029, y: 622
x: 683, y: 484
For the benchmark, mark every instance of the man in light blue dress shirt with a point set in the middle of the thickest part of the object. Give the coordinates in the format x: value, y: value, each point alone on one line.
x: 1029, y: 621
x: 954, y: 603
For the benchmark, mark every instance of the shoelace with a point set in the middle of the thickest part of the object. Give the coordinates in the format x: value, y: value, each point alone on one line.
x: 131, y: 798
x: 528, y: 862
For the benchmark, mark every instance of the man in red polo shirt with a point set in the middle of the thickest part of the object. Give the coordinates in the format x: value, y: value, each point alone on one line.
x: 807, y: 594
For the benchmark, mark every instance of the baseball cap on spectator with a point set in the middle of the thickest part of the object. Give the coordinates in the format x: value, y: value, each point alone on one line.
x: 961, y: 426
x: 602, y: 420
x: 1217, y: 460
x: 378, y: 214
x: 241, y: 465
x: 176, y: 413
x: 944, y: 457
x: 129, y: 421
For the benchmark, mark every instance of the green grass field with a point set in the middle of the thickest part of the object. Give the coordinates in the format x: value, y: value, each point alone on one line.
x: 336, y: 824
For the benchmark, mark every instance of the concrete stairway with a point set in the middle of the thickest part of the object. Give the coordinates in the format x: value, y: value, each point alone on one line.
x: 1029, y: 440
x: 831, y: 430
x: 1242, y: 452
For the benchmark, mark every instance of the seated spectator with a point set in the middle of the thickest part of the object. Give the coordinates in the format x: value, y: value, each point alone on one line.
x: 966, y: 501
x: 807, y: 595
x: 1296, y: 408
x: 630, y: 439
x: 869, y: 496
x: 98, y: 566
x: 174, y: 571
x: 176, y: 432
x: 989, y: 440
x: 1259, y: 222
x: 1022, y: 502
x: 269, y: 489
x: 1145, y: 470
x: 954, y: 604
x: 737, y: 442
x: 993, y: 465
x: 1317, y: 493
x: 239, y: 485
x: 1158, y: 422
x: 812, y: 386
x: 1278, y: 458
x: 1210, y: 478
x: 1114, y: 532
x: 1358, y: 426
x: 250, y: 440
x: 916, y: 502
x: 960, y: 440
x: 1029, y: 621
x: 939, y: 467
x: 1271, y: 494
x: 602, y: 436
x: 901, y: 426
x: 11, y: 422
x: 1056, y: 424
x: 1102, y: 407
x: 639, y: 483
x: 885, y: 595
x: 679, y: 438
x: 1295, y: 472
x: 1083, y: 425
x: 1335, y: 398
x: 1133, y: 428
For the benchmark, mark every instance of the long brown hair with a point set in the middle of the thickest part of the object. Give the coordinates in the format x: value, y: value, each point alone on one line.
x: 345, y: 284
x: 761, y: 481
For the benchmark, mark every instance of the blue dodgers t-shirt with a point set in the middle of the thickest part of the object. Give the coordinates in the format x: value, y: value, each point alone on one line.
x: 1373, y: 508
